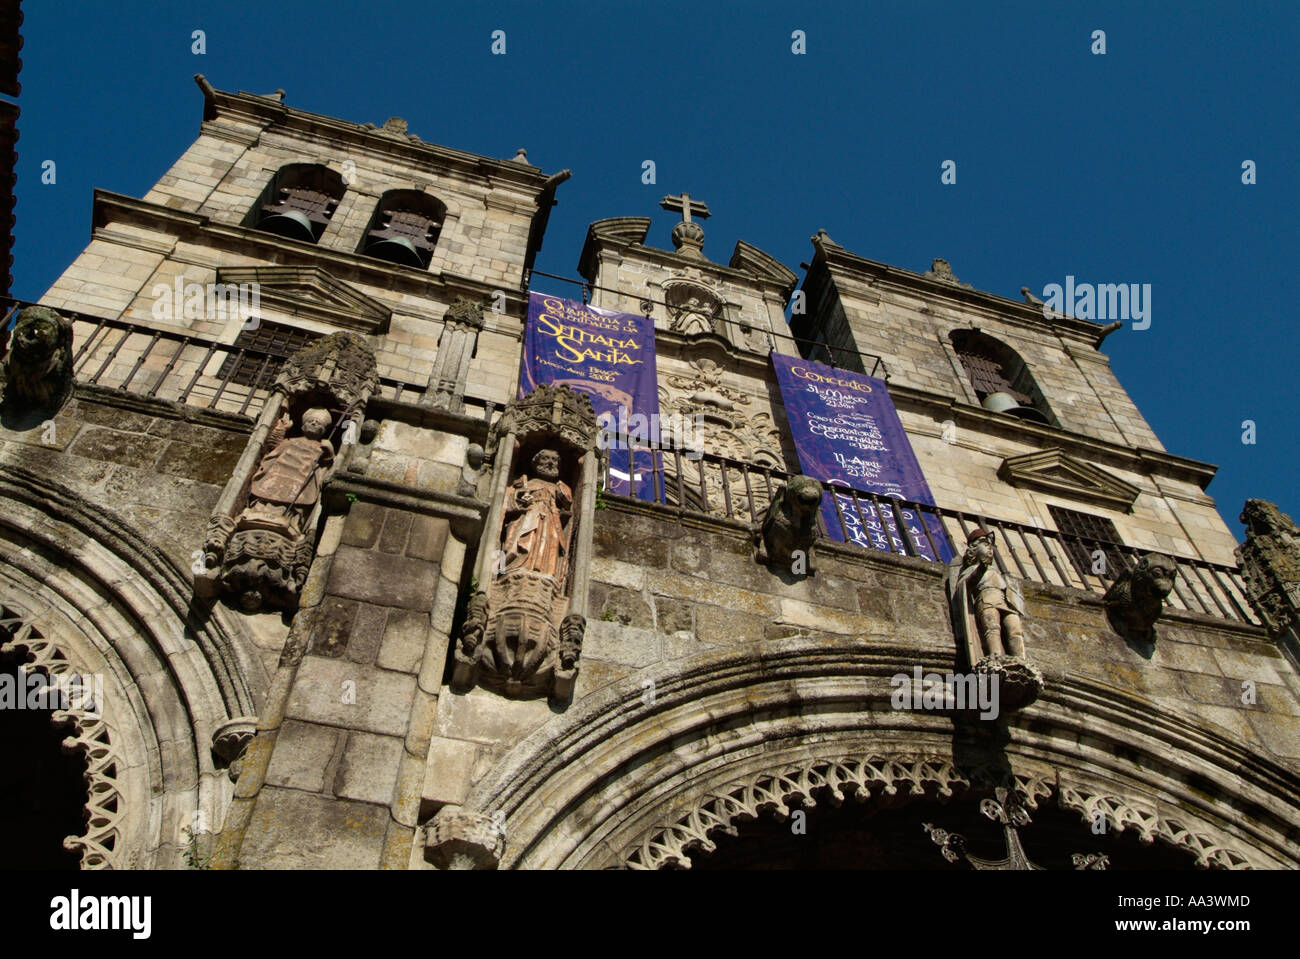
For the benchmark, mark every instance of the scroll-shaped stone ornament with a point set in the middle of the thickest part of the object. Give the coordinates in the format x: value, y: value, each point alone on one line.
x: 987, y: 608
x: 788, y: 532
x: 37, y: 370
x: 1137, y: 597
x: 261, y: 538
x: 523, y: 628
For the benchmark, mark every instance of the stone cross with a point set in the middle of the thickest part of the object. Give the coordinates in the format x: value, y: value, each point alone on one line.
x: 684, y: 205
x: 688, y: 236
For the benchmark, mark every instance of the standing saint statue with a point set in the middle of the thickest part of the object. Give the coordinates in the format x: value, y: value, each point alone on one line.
x: 287, y: 483
x: 987, y: 607
x: 537, y: 515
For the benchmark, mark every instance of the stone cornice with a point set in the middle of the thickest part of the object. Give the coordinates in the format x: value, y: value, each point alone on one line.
x: 1004, y: 425
x: 271, y: 113
x: 749, y: 265
x: 831, y: 257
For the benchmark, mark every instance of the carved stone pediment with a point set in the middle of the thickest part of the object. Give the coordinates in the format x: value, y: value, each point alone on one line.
x: 310, y: 292
x: 1057, y: 472
x: 755, y: 262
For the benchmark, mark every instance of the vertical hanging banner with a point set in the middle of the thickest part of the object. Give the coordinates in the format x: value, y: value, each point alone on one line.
x: 848, y: 435
x: 610, y: 357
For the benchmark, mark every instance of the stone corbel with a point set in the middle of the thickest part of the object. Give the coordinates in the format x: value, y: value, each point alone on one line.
x: 524, y: 622
x: 230, y: 741
x: 458, y: 838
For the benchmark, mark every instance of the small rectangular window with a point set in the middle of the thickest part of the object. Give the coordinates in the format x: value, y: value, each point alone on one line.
x: 266, y: 348
x: 1082, y: 535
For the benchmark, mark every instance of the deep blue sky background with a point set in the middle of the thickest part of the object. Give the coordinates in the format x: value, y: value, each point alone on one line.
x: 1117, y: 168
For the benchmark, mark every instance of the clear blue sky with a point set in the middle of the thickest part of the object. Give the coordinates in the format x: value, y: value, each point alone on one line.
x: 1117, y: 168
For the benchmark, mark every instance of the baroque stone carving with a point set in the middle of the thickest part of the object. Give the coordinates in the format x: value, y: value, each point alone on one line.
x: 693, y: 308
x: 260, y: 540
x: 523, y: 628
x: 459, y: 839
x: 724, y: 423
x: 987, y: 606
x: 1270, y: 565
x: 941, y: 270
x: 448, y: 379
x: 1137, y: 597
x: 788, y: 532
x: 38, y: 368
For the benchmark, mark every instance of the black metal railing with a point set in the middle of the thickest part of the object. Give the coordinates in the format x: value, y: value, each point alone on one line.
x: 171, y: 364
x: 733, y: 489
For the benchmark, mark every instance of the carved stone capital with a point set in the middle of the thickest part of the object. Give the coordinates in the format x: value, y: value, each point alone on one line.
x: 464, y: 312
x: 457, y: 838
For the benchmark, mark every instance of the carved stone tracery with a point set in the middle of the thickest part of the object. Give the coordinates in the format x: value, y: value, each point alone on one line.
x: 90, y: 735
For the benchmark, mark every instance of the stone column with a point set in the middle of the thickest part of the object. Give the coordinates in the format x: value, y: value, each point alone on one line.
x: 447, y: 381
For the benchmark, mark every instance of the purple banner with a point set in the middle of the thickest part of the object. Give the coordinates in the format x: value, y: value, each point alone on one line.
x: 610, y: 357
x: 848, y: 435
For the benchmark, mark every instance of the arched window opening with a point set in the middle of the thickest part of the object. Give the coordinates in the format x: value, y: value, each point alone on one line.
x: 43, y: 793
x: 299, y: 202
x: 1000, y: 377
x: 404, y: 229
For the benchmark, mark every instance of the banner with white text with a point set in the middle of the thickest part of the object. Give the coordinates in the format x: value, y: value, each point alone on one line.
x: 848, y: 435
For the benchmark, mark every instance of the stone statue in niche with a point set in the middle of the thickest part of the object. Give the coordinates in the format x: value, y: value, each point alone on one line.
x: 693, y: 309
x: 538, y: 513
x: 524, y: 624
x: 987, y: 607
x: 286, y: 485
x: 788, y: 532
x: 37, y: 371
x: 261, y: 537
x: 1135, y: 600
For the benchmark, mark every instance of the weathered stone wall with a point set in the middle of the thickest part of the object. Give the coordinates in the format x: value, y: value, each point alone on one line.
x: 672, y: 592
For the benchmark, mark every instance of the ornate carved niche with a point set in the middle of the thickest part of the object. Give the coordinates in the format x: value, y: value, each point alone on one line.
x: 261, y: 537
x: 37, y: 370
x: 694, y: 308
x: 524, y: 623
x: 723, y: 422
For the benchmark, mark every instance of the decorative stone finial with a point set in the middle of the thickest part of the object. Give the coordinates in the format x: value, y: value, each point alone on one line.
x: 1270, y: 565
x: 688, y: 236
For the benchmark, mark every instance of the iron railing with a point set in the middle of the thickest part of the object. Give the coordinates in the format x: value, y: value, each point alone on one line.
x: 732, y: 489
x: 174, y: 365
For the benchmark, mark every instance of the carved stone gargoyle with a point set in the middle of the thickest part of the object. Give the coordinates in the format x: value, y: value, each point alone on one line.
x: 987, y: 608
x: 523, y: 628
x: 785, y: 537
x: 1137, y: 597
x: 261, y: 537
x: 37, y: 371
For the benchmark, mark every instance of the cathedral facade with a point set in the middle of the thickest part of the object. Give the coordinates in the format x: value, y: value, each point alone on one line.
x: 324, y: 588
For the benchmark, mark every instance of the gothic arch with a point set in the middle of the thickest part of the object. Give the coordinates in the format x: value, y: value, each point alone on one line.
x: 93, y: 596
x: 617, y: 781
x: 91, y: 735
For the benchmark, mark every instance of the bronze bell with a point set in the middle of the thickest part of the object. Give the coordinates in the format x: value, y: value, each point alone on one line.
x: 293, y: 224
x: 397, y: 249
